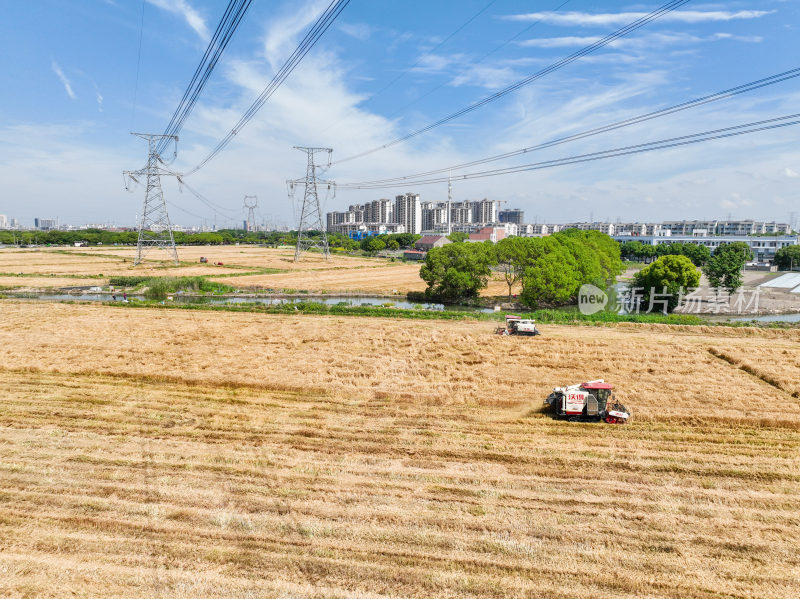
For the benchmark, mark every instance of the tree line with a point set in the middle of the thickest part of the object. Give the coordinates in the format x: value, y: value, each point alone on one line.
x: 641, y: 252
x: 221, y: 237
x: 552, y: 269
x: 549, y: 269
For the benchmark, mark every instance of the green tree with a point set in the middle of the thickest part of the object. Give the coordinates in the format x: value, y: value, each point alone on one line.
x: 587, y: 259
x: 597, y: 254
x: 457, y: 271
x: 373, y: 244
x: 698, y: 254
x: 664, y: 281
x: 512, y: 258
x: 406, y: 240
x: 458, y: 237
x: 553, y: 277
x: 393, y: 244
x: 724, y: 268
x: 631, y: 250
x: 788, y: 257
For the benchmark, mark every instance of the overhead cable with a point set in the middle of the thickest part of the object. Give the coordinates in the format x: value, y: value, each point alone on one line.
x: 637, y: 24
x: 683, y: 140
x: 432, y: 50
x: 216, y: 208
x: 497, y: 48
x: 234, y: 13
x: 309, y: 41
x: 721, y: 95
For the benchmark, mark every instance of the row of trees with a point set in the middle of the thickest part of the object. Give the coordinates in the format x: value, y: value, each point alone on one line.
x: 550, y: 269
x: 390, y: 241
x: 788, y: 257
x: 641, y: 252
x: 221, y: 237
x: 670, y: 276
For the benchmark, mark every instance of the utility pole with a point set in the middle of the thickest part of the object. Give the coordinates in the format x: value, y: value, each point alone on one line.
x: 155, y: 230
x: 251, y: 211
x: 311, y: 211
x: 449, y: 203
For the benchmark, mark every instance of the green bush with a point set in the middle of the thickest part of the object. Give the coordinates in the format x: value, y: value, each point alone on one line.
x: 127, y: 281
x: 159, y: 287
x: 665, y: 280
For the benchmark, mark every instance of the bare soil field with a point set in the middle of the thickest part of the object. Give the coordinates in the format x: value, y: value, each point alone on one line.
x: 166, y: 453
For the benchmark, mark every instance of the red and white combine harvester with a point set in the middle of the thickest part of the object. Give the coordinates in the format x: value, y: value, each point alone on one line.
x: 588, y: 402
x: 516, y: 325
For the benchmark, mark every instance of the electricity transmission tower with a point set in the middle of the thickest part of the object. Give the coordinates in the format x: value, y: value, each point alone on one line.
x: 311, y: 211
x: 155, y: 230
x: 251, y: 211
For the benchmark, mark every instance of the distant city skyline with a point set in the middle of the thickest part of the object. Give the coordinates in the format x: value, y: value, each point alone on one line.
x: 70, y: 96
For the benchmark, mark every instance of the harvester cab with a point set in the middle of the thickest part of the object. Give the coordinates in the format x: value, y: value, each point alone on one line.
x: 587, y: 402
x: 516, y: 325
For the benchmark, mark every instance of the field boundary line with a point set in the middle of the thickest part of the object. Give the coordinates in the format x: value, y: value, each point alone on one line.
x: 166, y: 379
x: 754, y: 372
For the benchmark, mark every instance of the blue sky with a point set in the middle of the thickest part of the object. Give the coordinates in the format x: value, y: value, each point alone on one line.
x: 69, y: 98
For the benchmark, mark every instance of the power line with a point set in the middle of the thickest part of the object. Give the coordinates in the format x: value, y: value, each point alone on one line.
x: 721, y: 95
x: 432, y: 50
x: 234, y: 13
x: 637, y: 24
x: 754, y: 127
x: 138, y: 66
x: 525, y: 30
x: 215, y: 208
x: 309, y: 41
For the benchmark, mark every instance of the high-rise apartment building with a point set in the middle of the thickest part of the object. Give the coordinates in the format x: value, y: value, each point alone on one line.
x: 408, y: 212
x: 515, y: 216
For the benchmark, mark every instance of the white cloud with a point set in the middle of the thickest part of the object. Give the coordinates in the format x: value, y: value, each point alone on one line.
x: 189, y: 14
x: 64, y: 81
x: 318, y: 106
x: 485, y: 76
x: 584, y: 19
x: 560, y: 42
x: 791, y: 173
x: 359, y: 31
x: 640, y: 42
x: 282, y: 31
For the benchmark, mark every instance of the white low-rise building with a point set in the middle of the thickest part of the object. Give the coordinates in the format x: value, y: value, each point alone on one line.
x: 763, y: 248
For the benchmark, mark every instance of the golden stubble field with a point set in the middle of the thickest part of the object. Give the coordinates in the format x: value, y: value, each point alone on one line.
x: 245, y: 267
x: 161, y: 453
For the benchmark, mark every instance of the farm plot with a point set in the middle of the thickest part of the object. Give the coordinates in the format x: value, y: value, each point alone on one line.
x: 169, y: 452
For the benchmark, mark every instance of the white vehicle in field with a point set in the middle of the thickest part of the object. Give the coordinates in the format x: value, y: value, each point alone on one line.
x: 516, y: 325
x: 592, y: 401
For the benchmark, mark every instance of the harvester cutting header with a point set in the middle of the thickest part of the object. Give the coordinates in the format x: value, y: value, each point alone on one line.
x: 592, y: 401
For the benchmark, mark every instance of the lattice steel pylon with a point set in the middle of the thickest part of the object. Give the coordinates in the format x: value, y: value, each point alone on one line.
x: 251, y: 203
x: 311, y: 211
x: 155, y: 230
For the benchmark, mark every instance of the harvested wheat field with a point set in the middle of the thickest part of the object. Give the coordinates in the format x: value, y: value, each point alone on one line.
x: 384, y: 278
x: 212, y: 454
x: 248, y: 256
x: 101, y: 263
x: 244, y: 267
x: 44, y: 282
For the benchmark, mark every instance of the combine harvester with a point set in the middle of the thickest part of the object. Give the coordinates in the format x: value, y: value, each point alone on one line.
x: 587, y: 402
x: 516, y: 325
